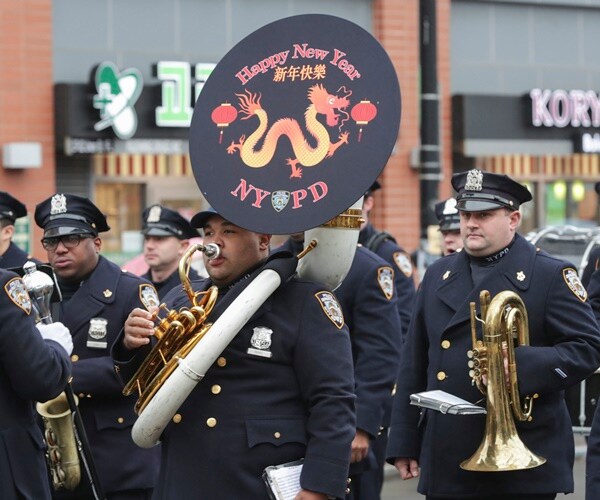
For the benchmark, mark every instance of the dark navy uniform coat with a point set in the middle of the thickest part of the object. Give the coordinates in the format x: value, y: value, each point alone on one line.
x: 389, y: 251
x: 368, y: 299
x: 31, y: 369
x: 15, y: 257
x: 592, y: 465
x: 109, y: 294
x: 564, y: 349
x: 171, y: 282
x: 252, y: 411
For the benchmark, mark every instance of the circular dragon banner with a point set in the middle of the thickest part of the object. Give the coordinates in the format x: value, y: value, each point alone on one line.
x: 295, y: 123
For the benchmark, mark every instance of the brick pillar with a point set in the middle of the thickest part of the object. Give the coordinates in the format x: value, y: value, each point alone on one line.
x: 26, y: 99
x: 396, y: 26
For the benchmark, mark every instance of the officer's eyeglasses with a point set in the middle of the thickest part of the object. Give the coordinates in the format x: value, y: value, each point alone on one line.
x: 68, y: 240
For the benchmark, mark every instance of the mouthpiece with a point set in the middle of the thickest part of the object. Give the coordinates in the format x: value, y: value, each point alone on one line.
x: 211, y: 251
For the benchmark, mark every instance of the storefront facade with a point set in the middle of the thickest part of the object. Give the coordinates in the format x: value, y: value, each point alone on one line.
x: 525, y: 101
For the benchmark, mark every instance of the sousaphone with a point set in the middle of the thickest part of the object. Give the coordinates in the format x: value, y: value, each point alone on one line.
x: 290, y: 129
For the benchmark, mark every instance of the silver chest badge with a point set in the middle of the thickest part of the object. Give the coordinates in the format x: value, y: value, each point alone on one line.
x: 97, y: 334
x: 260, y: 342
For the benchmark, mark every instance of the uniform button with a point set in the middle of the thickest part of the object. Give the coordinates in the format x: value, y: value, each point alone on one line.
x: 277, y: 435
x: 221, y: 361
x: 215, y: 389
x: 177, y: 418
x: 120, y: 420
x: 74, y: 358
x: 81, y: 395
x: 445, y: 344
x: 441, y: 376
x: 211, y: 422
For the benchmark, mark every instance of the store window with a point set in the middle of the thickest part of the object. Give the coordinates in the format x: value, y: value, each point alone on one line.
x: 122, y: 203
x: 571, y: 202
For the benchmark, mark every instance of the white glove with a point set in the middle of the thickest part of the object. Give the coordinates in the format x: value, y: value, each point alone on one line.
x: 59, y: 333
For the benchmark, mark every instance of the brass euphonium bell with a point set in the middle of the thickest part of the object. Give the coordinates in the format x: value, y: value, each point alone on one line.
x: 503, y: 320
x: 177, y: 333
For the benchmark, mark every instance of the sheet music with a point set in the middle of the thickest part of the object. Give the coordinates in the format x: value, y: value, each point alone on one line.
x: 284, y: 480
x: 445, y: 402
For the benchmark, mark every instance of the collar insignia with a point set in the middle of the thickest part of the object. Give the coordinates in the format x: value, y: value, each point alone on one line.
x: 446, y: 275
x: 521, y: 276
x: 107, y: 293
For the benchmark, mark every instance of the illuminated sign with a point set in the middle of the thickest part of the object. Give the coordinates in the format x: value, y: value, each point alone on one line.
x: 562, y: 108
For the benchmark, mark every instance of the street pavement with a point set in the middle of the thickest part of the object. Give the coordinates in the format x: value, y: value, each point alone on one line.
x: 396, y: 489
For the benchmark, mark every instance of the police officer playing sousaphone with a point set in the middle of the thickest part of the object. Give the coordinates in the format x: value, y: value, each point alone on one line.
x: 563, y: 349
x: 97, y: 297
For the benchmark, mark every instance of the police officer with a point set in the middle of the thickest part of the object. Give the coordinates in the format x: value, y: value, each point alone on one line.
x: 593, y: 262
x: 449, y: 221
x: 384, y: 245
x: 281, y: 390
x: 166, y: 238
x: 11, y: 209
x: 564, y: 349
x: 592, y: 460
x: 31, y: 369
x: 97, y: 297
x: 368, y: 299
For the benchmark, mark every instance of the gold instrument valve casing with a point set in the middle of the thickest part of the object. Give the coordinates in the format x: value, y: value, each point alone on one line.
x: 177, y: 333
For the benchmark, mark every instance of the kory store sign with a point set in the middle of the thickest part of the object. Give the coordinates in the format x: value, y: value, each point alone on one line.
x: 578, y: 109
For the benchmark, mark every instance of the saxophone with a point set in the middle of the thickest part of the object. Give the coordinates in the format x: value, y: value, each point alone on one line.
x: 62, y: 454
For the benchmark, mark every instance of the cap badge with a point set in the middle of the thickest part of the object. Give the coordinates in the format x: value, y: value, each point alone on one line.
x: 154, y: 214
x: 474, y: 180
x: 260, y: 342
x: 58, y: 204
x: 450, y: 207
x: 521, y: 276
x: 107, y: 293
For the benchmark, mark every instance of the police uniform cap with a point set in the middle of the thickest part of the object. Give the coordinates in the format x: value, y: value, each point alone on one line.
x: 479, y: 191
x: 447, y: 215
x: 161, y: 221
x: 63, y: 214
x: 11, y: 208
x: 199, y: 220
x: 374, y: 187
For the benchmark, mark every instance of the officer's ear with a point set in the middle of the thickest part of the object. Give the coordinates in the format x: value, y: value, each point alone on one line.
x: 515, y: 219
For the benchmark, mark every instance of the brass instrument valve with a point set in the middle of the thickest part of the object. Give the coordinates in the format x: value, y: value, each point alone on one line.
x: 477, y: 361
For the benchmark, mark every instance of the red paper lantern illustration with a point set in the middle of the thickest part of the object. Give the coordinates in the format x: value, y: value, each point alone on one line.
x: 362, y: 113
x: 222, y: 116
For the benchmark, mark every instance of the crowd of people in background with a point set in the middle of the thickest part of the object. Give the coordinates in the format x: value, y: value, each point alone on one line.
x: 315, y: 374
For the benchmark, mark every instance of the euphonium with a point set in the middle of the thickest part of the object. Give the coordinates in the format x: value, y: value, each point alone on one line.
x: 62, y: 453
x: 503, y: 320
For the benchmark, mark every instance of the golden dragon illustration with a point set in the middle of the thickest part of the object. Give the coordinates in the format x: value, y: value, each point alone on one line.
x: 321, y: 102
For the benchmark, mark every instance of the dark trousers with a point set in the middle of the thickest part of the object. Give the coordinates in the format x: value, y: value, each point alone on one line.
x: 118, y: 495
